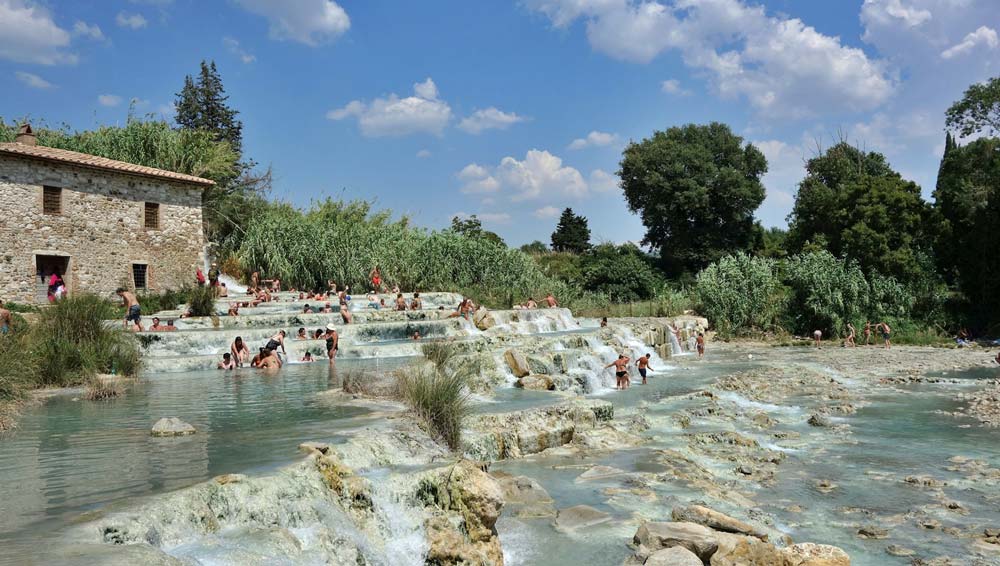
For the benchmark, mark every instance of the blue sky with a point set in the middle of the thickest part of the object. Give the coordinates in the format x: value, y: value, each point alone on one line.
x: 511, y: 110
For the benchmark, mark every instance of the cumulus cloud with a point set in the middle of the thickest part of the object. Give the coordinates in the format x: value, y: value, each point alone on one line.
x: 423, y: 112
x: 785, y: 168
x: 894, y: 12
x: 540, y: 173
x: 673, y: 86
x: 490, y: 118
x: 780, y: 65
x: 29, y: 35
x: 424, y: 153
x: 983, y: 36
x: 594, y: 139
x: 131, y: 21
x: 311, y: 22
x: 83, y: 29
x: 546, y: 212
x: 602, y: 181
x: 34, y: 81
x: 234, y: 47
x: 109, y: 100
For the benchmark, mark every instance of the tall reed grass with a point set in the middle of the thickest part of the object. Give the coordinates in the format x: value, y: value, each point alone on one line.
x: 439, y: 399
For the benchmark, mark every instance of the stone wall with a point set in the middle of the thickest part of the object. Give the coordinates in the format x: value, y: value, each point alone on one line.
x: 101, y: 228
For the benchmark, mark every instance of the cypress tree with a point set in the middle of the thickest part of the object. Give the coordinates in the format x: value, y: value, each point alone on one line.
x: 201, y: 105
x: 572, y: 233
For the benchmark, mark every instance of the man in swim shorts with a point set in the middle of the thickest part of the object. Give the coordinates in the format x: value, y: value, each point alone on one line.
x: 134, y: 313
x: 643, y: 365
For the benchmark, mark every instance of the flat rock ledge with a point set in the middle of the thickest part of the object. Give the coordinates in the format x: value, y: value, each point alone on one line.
x: 172, y: 426
x: 711, y: 547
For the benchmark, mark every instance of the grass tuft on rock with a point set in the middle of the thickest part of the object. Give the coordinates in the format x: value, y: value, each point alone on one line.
x: 102, y: 389
x: 439, y: 353
x: 201, y: 301
x: 439, y: 399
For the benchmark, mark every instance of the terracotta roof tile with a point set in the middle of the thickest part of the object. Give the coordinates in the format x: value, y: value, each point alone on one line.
x: 95, y: 162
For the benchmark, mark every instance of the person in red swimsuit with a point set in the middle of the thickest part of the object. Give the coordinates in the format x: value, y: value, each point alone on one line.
x: 376, y: 276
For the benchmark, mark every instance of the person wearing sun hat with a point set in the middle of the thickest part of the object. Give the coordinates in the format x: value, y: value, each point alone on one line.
x: 332, y: 342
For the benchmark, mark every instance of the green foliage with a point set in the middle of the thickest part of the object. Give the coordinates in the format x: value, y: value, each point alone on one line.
x: 696, y: 189
x: 741, y: 292
x: 826, y: 292
x: 166, y: 301
x: 977, y: 111
x: 572, y: 233
x: 536, y: 247
x: 774, y: 243
x: 201, y: 301
x: 564, y: 266
x: 344, y: 241
x: 853, y: 204
x: 472, y: 227
x: 967, y: 200
x: 439, y: 353
x: 441, y: 400
x: 622, y: 273
x: 71, y: 342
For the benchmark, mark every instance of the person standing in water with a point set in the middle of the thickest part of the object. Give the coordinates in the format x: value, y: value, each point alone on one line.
x: 213, y: 275
x: 817, y: 337
x: 868, y: 332
x: 345, y: 311
x: 851, y: 332
x: 643, y: 365
x: 400, y: 302
x: 701, y: 345
x: 227, y: 361
x: 551, y: 301
x: 240, y: 351
x: 886, y: 334
x: 621, y: 371
x: 376, y: 277
x: 134, y: 312
x: 332, y: 342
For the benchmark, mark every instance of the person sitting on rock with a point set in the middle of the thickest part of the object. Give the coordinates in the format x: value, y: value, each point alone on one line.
x: 169, y: 326
x: 551, y: 301
x: 234, y: 309
x: 240, y: 351
x: 416, y: 304
x: 400, y: 302
x: 307, y: 309
x: 156, y: 326
x: 416, y: 336
x: 530, y: 303
x: 302, y: 334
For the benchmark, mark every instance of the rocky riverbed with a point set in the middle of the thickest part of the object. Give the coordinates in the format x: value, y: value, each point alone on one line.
x: 754, y: 455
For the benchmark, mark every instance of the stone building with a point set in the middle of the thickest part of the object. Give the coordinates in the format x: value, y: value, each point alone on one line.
x: 99, y: 223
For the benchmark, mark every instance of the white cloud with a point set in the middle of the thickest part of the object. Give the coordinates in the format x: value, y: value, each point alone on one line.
x: 395, y: 116
x: 131, y: 21
x: 540, y: 173
x: 982, y: 36
x: 602, y: 181
x: 235, y: 48
x: 29, y: 35
x: 491, y: 118
x: 547, y: 212
x: 780, y: 65
x: 424, y: 153
x: 894, y: 12
x: 34, y: 81
x: 594, y: 139
x: 673, y: 86
x: 83, y: 29
x: 109, y: 100
x: 785, y: 168
x: 311, y: 22
x: 476, y: 179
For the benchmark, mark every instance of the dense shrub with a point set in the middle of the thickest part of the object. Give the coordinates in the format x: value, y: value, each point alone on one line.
x: 622, y: 273
x: 201, y: 301
x: 741, y: 292
x: 827, y: 292
x: 439, y: 399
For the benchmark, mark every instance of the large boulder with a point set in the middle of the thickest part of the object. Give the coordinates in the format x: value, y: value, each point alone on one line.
x: 811, y: 554
x: 483, y: 319
x: 674, y: 556
x: 172, y: 426
x: 740, y: 550
x: 477, y: 498
x: 517, y: 363
x: 699, y: 539
x: 579, y: 517
x: 525, y: 496
x: 715, y: 520
x: 536, y: 383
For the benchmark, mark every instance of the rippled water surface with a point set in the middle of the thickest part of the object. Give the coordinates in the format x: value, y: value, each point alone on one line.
x: 70, y: 455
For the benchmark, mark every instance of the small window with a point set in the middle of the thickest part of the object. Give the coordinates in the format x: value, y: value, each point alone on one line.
x: 51, y: 200
x: 139, y: 275
x: 152, y: 216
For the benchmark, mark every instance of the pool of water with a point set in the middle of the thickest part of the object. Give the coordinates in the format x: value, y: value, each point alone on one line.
x: 69, y: 455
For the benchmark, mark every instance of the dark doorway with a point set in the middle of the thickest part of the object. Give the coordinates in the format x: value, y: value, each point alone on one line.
x: 45, y: 267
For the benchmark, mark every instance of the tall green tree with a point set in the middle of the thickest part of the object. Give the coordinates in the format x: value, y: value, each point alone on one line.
x: 472, y: 227
x: 977, y: 111
x: 696, y: 189
x: 203, y: 105
x: 536, y: 247
x: 851, y: 203
x: 967, y: 199
x: 572, y: 233
x: 622, y: 273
